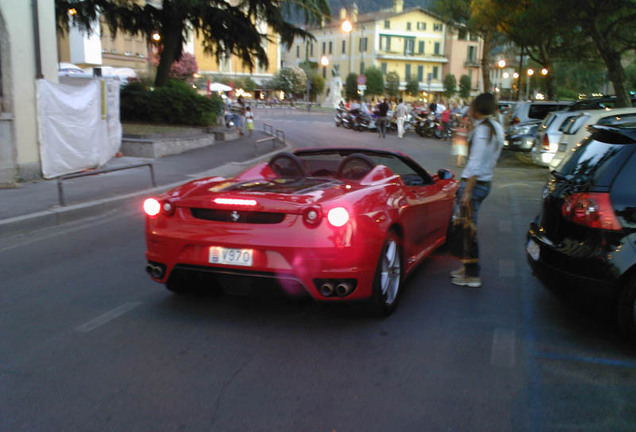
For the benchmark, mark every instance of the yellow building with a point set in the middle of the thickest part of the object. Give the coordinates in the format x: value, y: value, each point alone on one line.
x: 232, y: 66
x: 410, y: 42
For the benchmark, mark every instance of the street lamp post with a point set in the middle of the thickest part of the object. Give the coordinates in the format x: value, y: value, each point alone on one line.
x: 347, y: 27
x: 502, y: 64
x: 530, y: 73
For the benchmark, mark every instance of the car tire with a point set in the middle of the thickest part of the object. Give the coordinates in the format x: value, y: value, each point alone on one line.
x: 626, y: 309
x: 387, y: 282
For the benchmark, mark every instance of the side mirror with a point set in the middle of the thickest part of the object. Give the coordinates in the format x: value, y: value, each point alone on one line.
x: 445, y: 174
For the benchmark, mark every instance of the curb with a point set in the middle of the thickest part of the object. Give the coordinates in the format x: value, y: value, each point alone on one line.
x: 61, y: 215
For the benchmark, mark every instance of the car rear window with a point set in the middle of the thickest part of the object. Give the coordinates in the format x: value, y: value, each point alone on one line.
x: 595, y: 162
x: 548, y: 120
x: 566, y: 122
x: 575, y: 124
x: 617, y: 120
x: 540, y: 111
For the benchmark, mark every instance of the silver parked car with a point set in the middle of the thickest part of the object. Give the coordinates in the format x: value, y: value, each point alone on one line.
x: 576, y: 129
x: 524, y: 112
x: 546, y: 141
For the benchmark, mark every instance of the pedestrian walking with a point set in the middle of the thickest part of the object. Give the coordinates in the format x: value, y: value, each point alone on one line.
x: 485, y: 141
x: 249, y: 120
x: 400, y: 113
x: 383, y: 109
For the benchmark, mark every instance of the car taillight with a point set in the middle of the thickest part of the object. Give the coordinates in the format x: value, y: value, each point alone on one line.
x: 152, y: 207
x: 338, y: 216
x: 593, y: 210
x: 546, y: 143
x: 514, y: 120
x: 312, y: 215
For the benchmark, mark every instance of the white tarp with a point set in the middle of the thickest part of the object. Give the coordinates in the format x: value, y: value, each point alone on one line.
x: 78, y: 124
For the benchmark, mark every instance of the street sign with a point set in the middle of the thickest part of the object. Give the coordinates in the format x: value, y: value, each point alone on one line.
x: 362, y: 80
x: 362, y: 87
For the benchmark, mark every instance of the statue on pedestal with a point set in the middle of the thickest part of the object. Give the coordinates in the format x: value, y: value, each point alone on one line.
x: 334, y: 92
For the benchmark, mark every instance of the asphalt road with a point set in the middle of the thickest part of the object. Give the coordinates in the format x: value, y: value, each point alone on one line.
x: 89, y: 343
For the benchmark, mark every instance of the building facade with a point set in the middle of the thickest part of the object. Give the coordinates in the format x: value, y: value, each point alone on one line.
x: 28, y: 52
x: 414, y: 43
x: 232, y: 66
x: 464, y: 51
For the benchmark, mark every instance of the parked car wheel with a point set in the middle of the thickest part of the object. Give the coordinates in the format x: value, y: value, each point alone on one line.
x: 626, y: 309
x: 387, y: 284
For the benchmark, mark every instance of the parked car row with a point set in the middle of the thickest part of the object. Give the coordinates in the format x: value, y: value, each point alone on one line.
x: 582, y: 244
x: 549, y: 130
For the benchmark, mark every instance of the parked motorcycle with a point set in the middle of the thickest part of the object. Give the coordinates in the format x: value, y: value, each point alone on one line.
x: 348, y: 118
x: 426, y: 126
x: 340, y: 114
x: 365, y: 122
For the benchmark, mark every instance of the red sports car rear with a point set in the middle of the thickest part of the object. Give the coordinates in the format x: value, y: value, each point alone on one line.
x: 336, y: 224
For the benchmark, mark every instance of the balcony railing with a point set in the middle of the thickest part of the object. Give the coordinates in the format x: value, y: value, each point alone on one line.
x: 472, y: 63
x: 401, y: 55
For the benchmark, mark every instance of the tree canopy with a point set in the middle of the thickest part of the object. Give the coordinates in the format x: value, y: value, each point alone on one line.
x: 375, y: 81
x: 226, y: 27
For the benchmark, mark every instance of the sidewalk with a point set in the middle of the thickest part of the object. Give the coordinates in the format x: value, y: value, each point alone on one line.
x: 36, y: 205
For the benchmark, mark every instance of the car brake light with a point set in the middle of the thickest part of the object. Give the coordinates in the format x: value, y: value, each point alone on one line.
x: 235, y: 202
x: 546, y: 143
x: 514, y: 120
x: 152, y: 207
x: 593, y: 210
x: 338, y: 216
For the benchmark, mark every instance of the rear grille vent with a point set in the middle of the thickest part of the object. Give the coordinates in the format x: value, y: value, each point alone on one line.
x: 236, y: 216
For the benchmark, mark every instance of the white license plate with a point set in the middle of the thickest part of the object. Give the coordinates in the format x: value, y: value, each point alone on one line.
x: 533, y: 249
x: 240, y: 257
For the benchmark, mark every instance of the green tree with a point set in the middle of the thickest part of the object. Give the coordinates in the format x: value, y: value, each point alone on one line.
x: 351, y: 86
x: 450, y: 85
x: 464, y: 86
x: 375, y: 81
x: 393, y: 84
x: 413, y: 87
x: 292, y: 80
x: 227, y: 27
x: 481, y: 17
x: 317, y: 85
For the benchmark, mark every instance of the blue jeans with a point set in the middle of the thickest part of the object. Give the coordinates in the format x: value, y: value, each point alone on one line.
x: 480, y: 192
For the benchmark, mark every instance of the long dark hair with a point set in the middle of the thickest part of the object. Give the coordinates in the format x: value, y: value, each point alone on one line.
x: 486, y: 105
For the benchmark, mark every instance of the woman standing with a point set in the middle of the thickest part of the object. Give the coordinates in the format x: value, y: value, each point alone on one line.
x: 485, y: 143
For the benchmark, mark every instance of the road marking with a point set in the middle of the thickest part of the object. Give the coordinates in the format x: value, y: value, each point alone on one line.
x: 585, y: 359
x: 505, y: 226
x: 107, y: 317
x: 507, y: 268
x: 503, y: 348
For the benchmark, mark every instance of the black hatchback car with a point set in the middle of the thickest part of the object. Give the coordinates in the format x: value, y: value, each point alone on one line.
x: 584, y: 238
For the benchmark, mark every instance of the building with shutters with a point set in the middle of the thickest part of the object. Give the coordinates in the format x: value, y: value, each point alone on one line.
x: 410, y: 42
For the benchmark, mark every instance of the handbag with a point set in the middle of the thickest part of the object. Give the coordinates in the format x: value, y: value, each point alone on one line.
x: 462, y: 235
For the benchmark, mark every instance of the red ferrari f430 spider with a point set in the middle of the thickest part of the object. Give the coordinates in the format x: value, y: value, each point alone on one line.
x: 337, y: 224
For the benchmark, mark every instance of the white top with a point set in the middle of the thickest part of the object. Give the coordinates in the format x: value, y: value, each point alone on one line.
x: 401, y: 110
x: 484, y: 153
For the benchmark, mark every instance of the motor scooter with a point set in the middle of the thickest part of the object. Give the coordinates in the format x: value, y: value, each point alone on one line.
x: 340, y: 114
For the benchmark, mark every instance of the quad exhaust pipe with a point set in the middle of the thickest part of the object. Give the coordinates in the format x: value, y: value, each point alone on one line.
x: 343, y: 289
x: 335, y: 288
x: 155, y: 270
x: 327, y: 289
